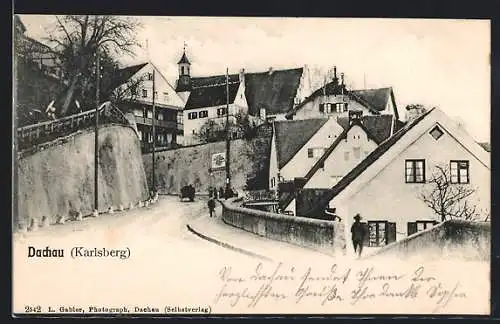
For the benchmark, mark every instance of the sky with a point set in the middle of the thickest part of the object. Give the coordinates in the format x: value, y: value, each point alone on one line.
x: 435, y: 62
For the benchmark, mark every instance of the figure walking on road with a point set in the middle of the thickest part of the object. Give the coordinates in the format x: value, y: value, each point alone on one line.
x: 211, y: 206
x: 358, y: 233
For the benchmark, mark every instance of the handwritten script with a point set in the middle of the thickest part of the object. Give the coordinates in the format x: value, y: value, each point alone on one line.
x: 330, y: 285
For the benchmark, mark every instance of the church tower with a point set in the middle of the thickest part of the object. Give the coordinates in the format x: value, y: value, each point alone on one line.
x: 184, y: 81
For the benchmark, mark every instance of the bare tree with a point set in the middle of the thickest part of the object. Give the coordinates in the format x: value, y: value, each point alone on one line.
x: 447, y: 199
x: 129, y: 91
x: 79, y: 36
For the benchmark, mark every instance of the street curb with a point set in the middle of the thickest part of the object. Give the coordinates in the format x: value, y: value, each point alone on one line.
x: 226, y: 245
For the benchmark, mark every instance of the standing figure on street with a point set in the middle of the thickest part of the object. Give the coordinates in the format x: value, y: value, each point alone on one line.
x: 358, y: 235
x: 211, y: 206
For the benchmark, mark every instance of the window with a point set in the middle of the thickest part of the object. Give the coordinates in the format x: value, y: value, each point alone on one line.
x: 321, y: 108
x: 138, y: 112
x: 346, y: 155
x: 315, y: 152
x: 381, y: 233
x: 436, y: 132
x: 328, y: 108
x: 192, y: 115
x: 345, y: 106
x: 149, y: 114
x: 160, y: 116
x: 418, y: 226
x: 149, y: 76
x: 133, y: 91
x: 339, y: 107
x: 221, y: 112
x: 165, y: 96
x: 459, y: 171
x: 156, y: 94
x: 203, y: 114
x: 273, y: 182
x: 141, y: 135
x: 182, y: 70
x: 144, y: 93
x: 356, y: 152
x: 415, y: 171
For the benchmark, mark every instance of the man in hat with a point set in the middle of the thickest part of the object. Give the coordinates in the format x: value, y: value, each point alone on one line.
x: 358, y: 234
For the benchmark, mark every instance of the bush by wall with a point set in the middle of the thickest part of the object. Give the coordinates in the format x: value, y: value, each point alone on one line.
x: 456, y: 239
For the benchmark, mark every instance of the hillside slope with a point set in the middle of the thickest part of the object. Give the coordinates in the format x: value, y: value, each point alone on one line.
x: 59, y: 180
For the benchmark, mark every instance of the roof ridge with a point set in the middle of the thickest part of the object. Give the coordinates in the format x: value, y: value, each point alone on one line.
x: 215, y: 85
x: 368, y: 89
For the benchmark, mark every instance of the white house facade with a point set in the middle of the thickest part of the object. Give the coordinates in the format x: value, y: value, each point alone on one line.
x: 136, y: 86
x: 394, y: 176
x: 334, y: 99
x: 360, y: 136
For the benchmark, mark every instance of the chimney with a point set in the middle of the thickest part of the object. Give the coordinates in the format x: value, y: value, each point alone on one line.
x: 335, y: 72
x: 270, y: 70
x: 242, y: 76
x: 355, y: 116
x: 342, y: 78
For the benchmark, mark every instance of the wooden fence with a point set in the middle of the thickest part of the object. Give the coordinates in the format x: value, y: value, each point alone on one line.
x: 32, y: 135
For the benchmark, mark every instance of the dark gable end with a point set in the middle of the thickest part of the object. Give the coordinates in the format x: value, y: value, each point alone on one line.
x: 377, y: 126
x: 273, y: 91
x: 211, y: 96
x: 364, y: 164
x: 292, y: 135
x: 376, y: 98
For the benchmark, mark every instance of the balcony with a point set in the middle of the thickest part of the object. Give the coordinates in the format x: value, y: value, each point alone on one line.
x: 160, y: 123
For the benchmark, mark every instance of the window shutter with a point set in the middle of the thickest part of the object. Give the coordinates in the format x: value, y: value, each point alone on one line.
x: 345, y: 106
x: 366, y: 241
x: 390, y: 232
x: 412, y: 228
x: 321, y: 107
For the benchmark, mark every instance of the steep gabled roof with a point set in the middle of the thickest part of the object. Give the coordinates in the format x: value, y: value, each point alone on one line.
x: 123, y: 75
x: 275, y: 91
x: 378, y: 126
x: 211, y: 96
x: 292, y: 135
x: 373, y: 99
x: 377, y: 98
x: 209, y: 81
x: 369, y: 160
